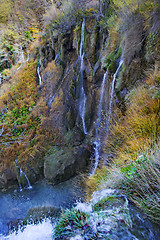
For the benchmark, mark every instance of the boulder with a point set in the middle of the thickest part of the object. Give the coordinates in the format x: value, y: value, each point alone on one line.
x: 8, y: 176
x: 64, y: 163
x: 37, y: 214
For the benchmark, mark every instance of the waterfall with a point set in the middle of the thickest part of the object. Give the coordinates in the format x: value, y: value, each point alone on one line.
x: 112, y: 94
x: 39, y: 76
x: 22, y: 173
x: 21, y: 55
x: 99, y: 114
x: 28, y: 182
x: 58, y: 57
x: 98, y: 122
x: 51, y: 99
x: 82, y: 103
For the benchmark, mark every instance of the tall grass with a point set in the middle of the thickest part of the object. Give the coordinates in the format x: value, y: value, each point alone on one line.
x: 141, y: 182
x: 139, y: 129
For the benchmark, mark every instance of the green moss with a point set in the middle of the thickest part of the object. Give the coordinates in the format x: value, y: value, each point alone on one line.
x: 110, y: 60
x: 62, y: 53
x: 108, y: 202
x: 90, y: 12
x: 72, y: 88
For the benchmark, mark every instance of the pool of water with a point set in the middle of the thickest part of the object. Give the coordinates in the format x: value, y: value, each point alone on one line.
x: 14, y: 204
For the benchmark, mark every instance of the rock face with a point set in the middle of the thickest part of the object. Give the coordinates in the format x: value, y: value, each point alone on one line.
x: 64, y: 163
x: 61, y: 68
x: 63, y: 99
x: 7, y: 176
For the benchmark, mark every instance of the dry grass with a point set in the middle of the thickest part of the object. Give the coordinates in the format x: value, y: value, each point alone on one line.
x: 93, y: 183
x: 24, y: 126
x: 139, y: 128
x: 141, y: 183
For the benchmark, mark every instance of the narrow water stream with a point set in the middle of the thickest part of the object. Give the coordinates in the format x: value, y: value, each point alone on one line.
x: 97, y: 142
x: 112, y: 95
x: 83, y: 98
x: 39, y: 76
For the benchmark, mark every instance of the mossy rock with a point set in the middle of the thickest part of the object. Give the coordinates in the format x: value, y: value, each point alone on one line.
x: 37, y: 214
x: 65, y: 163
x: 110, y: 202
x: 74, y: 137
x: 112, y: 59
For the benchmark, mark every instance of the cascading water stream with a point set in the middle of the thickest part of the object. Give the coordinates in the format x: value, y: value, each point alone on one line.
x: 21, y: 55
x: 22, y: 173
x: 28, y: 182
x: 51, y: 99
x: 98, y: 122
x: 22, y: 58
x: 97, y: 142
x: 39, y: 76
x: 112, y: 94
x: 82, y: 103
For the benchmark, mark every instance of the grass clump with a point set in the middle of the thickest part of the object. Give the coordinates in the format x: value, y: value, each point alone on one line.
x: 69, y: 221
x: 142, y: 184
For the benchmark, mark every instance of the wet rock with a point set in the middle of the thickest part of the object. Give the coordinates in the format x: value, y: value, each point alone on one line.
x: 7, y: 176
x: 64, y: 163
x: 37, y: 214
x: 14, y: 224
x: 74, y: 137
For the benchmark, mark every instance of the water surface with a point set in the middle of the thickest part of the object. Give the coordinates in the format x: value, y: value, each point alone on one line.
x: 14, y: 204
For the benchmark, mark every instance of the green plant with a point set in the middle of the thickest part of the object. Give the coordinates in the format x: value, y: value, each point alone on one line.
x: 28, y: 35
x: 110, y: 60
x: 71, y: 220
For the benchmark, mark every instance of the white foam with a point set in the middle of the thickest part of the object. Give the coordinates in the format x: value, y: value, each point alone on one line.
x: 39, y: 231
